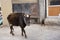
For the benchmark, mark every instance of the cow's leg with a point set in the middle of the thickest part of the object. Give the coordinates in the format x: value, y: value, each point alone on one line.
x: 24, y: 33
x: 11, y: 28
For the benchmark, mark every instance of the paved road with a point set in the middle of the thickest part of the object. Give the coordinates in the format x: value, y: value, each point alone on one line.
x: 34, y: 32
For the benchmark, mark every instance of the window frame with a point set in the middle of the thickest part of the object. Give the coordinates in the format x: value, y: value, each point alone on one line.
x: 48, y: 9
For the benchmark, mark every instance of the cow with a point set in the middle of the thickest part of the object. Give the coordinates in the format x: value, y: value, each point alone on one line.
x: 17, y: 19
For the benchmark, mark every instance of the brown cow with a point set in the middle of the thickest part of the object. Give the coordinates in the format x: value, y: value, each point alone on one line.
x: 17, y: 19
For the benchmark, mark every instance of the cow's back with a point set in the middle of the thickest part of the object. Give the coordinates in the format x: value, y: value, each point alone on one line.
x: 16, y: 19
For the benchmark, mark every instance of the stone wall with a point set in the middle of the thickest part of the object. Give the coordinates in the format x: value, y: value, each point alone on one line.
x: 6, y: 6
x: 42, y: 9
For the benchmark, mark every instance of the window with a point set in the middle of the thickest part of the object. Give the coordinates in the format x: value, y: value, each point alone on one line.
x: 55, y: 2
x: 17, y: 8
x: 21, y: 8
x: 27, y: 8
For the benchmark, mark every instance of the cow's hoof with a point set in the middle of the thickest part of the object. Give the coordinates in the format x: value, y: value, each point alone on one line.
x: 12, y: 34
x: 25, y: 36
x: 22, y: 34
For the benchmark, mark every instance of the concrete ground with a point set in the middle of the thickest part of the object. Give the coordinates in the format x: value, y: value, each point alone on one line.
x: 34, y: 32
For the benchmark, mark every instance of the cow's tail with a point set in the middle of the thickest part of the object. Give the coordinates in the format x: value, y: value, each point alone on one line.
x: 8, y: 17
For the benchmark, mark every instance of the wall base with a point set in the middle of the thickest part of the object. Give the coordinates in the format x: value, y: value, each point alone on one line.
x: 52, y: 21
